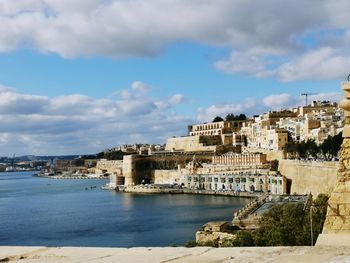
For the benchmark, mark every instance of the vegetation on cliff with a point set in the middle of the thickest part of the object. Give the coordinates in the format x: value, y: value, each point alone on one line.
x: 112, y: 155
x: 309, y: 149
x: 287, y: 225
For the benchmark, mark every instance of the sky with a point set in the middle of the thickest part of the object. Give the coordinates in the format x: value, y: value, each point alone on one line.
x: 80, y: 76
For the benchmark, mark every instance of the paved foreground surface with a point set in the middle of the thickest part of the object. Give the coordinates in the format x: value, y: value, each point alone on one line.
x: 179, y: 254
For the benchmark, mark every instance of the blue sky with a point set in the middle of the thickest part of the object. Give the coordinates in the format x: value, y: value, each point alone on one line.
x: 80, y: 76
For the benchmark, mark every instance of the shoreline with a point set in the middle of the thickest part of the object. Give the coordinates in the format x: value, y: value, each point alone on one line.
x: 139, y: 190
x: 56, y: 177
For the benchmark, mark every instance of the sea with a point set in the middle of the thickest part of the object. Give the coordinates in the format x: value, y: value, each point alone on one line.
x: 37, y: 211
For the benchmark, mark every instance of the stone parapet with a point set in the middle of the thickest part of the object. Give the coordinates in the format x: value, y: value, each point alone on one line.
x: 175, y: 254
x: 337, y: 223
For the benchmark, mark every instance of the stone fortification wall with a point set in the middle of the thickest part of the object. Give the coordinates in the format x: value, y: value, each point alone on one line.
x: 166, y: 176
x: 75, y: 165
x: 109, y: 166
x: 193, y: 143
x: 138, y: 168
x: 305, y: 177
x: 270, y: 155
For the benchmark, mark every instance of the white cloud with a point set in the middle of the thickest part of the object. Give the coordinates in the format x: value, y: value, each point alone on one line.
x: 278, y: 101
x: 140, y: 87
x: 254, y: 30
x: 12, y: 102
x: 324, y: 63
x: 176, y: 99
x: 284, y: 100
x: 80, y: 124
x: 32, y: 124
x: 249, y: 105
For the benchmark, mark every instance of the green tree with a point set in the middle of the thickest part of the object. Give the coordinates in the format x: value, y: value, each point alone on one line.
x: 218, y: 119
x: 312, y: 149
x: 290, y: 224
x: 113, y: 155
x: 291, y: 149
x: 319, y: 211
x: 287, y: 225
x: 232, y: 117
x: 282, y: 226
x: 242, y: 117
x: 243, y: 238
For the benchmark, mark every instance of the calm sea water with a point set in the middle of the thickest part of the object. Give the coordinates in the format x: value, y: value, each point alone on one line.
x: 41, y: 211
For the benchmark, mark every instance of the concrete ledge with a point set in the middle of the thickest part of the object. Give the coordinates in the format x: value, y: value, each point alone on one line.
x: 333, y: 240
x: 178, y: 254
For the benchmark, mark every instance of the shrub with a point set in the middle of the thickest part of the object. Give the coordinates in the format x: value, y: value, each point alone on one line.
x: 287, y: 225
x: 227, y: 242
x: 211, y: 243
x: 190, y: 243
x: 243, y: 238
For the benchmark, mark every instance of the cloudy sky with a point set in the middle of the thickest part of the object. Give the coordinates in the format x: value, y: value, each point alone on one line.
x: 79, y: 76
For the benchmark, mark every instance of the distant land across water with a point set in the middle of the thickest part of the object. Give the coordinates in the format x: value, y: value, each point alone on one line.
x: 45, y: 212
x: 27, y: 158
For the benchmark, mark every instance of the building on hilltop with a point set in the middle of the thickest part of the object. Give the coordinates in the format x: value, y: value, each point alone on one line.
x: 319, y: 106
x: 215, y: 137
x: 215, y: 128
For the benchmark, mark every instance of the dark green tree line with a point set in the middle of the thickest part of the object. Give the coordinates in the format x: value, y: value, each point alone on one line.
x: 307, y: 149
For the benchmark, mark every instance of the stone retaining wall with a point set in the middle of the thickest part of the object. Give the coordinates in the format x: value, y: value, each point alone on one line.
x: 309, y: 176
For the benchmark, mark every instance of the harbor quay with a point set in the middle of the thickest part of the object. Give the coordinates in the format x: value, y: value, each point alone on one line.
x: 141, y: 189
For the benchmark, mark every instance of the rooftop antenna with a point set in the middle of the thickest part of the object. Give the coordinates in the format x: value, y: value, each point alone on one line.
x: 308, y: 94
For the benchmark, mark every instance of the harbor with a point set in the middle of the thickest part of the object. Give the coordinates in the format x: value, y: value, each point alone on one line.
x: 47, y: 212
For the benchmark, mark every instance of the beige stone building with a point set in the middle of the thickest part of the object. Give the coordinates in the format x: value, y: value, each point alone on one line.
x: 206, y: 137
x: 316, y: 122
x: 195, y: 143
x: 275, y: 139
x: 250, y: 180
x: 260, y: 136
x: 240, y: 160
x: 215, y: 128
x: 319, y: 106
